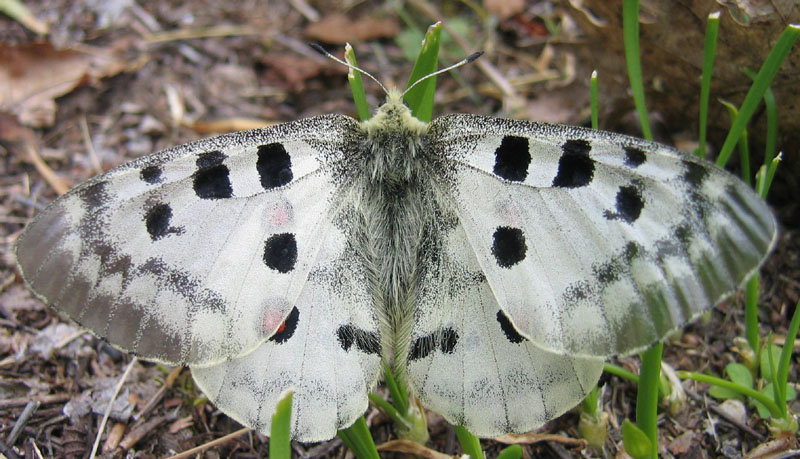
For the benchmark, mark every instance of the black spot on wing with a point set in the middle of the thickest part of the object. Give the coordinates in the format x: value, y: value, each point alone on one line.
x: 211, y: 180
x: 274, y: 166
x: 151, y: 175
x: 157, y: 219
x: 508, y: 329
x: 444, y: 339
x: 694, y: 173
x: 422, y: 347
x: 287, y: 328
x: 629, y: 204
x: 366, y: 342
x: 634, y: 157
x: 280, y: 252
x: 508, y: 246
x: 448, y: 338
x: 575, y: 167
x: 512, y: 158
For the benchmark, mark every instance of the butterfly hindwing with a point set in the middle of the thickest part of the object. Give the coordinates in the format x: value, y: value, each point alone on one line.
x: 197, y: 253
x: 597, y: 244
x: 328, y: 352
x: 467, y: 362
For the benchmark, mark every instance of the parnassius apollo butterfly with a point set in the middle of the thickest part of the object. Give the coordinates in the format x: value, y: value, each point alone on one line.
x: 494, y: 262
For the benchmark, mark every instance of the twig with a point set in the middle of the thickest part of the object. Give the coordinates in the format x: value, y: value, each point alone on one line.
x: 44, y: 400
x: 49, y: 176
x: 138, y: 432
x: 159, y: 394
x: 87, y: 142
x: 211, y: 444
x: 22, y: 420
x: 8, y: 451
x: 721, y: 413
x: 110, y: 406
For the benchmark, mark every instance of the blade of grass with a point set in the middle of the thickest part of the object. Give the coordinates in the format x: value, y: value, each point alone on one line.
x: 751, y: 313
x: 356, y: 84
x: 746, y: 391
x: 279, y: 432
x: 469, y: 443
x: 593, y: 97
x: 630, y: 31
x: 647, y: 395
x: 358, y: 438
x: 785, y: 359
x: 420, y: 99
x: 396, y: 390
x: 765, y: 76
x: 709, y: 52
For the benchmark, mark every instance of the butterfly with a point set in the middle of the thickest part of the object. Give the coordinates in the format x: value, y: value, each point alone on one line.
x: 494, y: 263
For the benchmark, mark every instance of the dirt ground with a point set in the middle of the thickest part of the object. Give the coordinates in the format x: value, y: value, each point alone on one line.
x: 116, y: 80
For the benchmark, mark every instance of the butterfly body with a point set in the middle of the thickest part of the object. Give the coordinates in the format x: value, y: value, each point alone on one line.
x: 495, y: 263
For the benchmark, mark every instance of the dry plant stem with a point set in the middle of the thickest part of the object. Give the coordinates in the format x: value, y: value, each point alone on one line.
x: 49, y: 176
x: 139, y: 432
x: 102, y: 425
x: 211, y: 444
x: 719, y: 412
x: 87, y: 142
x: 46, y: 399
x: 22, y: 420
x: 159, y: 394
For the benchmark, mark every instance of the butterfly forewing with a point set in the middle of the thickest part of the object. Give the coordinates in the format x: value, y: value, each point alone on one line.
x: 597, y: 244
x: 195, y: 254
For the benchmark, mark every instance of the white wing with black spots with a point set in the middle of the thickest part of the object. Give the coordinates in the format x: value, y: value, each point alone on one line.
x: 598, y: 244
x: 327, y: 351
x: 467, y: 362
x: 198, y: 253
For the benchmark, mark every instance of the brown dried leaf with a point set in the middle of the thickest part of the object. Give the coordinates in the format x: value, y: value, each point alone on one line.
x: 337, y: 28
x: 504, y: 9
x: 34, y: 75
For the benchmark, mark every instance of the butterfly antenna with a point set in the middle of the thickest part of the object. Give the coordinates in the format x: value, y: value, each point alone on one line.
x: 318, y: 48
x: 465, y: 61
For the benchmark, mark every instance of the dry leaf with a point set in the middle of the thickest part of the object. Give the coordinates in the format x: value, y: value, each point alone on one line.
x: 504, y: 9
x: 32, y: 76
x: 337, y: 28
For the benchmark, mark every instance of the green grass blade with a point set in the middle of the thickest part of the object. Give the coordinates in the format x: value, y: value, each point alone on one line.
x: 358, y: 438
x: 709, y: 52
x: 390, y: 410
x: 773, y: 166
x: 782, y: 376
x: 469, y: 443
x: 647, y: 395
x: 771, y: 107
x: 765, y: 76
x: 630, y: 32
x: 746, y: 391
x: 751, y: 313
x: 511, y: 452
x: 396, y: 390
x: 420, y: 99
x: 356, y: 84
x: 744, y: 152
x: 594, y: 99
x: 279, y: 433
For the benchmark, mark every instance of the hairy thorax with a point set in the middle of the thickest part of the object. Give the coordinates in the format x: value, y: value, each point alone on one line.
x: 394, y: 216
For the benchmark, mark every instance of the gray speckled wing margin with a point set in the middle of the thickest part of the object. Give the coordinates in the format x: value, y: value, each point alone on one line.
x: 602, y: 244
x: 126, y: 255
